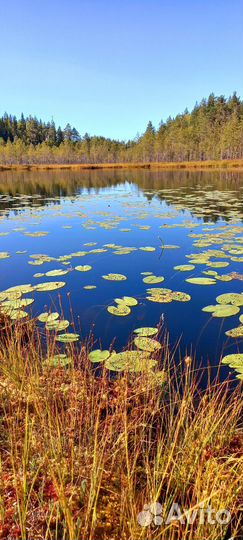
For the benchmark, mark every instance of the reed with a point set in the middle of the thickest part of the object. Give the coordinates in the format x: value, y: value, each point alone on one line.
x: 229, y: 164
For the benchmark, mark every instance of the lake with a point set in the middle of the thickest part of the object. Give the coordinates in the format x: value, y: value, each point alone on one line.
x: 139, y: 224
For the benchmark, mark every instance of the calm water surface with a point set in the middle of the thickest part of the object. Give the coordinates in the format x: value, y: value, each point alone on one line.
x: 190, y: 213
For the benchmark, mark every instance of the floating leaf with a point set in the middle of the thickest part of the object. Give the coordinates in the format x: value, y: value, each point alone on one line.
x: 18, y: 314
x: 68, y: 338
x: 59, y: 272
x: 22, y: 289
x: 4, y: 255
x: 115, y: 277
x: 147, y: 344
x: 98, y: 356
x: 201, y: 281
x: 146, y: 331
x: 233, y: 360
x: 127, y: 300
x: 184, y: 267
x: 235, y: 299
x: 153, y: 279
x: 133, y: 361
x: 18, y: 303
x: 235, y: 332
x: 58, y: 326
x: 121, y: 310
x: 49, y: 286
x: 48, y: 317
x: 59, y: 360
x: 84, y: 268
x: 180, y: 296
x: 226, y: 311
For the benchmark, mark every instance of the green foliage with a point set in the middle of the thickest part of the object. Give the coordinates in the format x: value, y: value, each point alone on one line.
x: 213, y: 130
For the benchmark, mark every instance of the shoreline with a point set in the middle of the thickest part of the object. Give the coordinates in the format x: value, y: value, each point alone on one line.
x: 236, y: 164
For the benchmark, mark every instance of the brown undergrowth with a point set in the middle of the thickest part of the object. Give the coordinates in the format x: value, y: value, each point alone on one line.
x: 82, y: 452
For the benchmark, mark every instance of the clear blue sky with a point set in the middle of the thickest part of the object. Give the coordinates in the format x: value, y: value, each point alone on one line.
x: 109, y: 66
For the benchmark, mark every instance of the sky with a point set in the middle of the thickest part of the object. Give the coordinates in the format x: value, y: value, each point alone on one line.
x: 110, y: 66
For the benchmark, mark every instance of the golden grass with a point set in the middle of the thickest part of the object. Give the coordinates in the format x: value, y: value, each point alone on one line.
x: 81, y: 454
x: 188, y: 165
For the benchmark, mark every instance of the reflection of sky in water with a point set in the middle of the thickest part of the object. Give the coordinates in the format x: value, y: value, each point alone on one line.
x: 128, y: 202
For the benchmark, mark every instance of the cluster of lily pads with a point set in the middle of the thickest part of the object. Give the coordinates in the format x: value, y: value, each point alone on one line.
x: 123, y: 307
x: 228, y: 305
x: 166, y: 296
x: 138, y: 360
x: 235, y: 361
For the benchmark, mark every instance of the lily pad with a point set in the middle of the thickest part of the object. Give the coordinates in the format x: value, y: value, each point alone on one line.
x: 133, y: 361
x: 127, y: 300
x: 236, y: 299
x: 49, y: 286
x: 226, y: 311
x: 146, y: 331
x: 84, y: 268
x: 185, y: 267
x: 97, y: 356
x: 235, y: 332
x: 153, y: 279
x: 48, y: 317
x: 68, y: 338
x: 59, y: 360
x: 58, y: 326
x: 115, y: 277
x: 201, y: 281
x: 18, y: 314
x: 121, y: 310
x: 147, y: 344
x: 58, y: 272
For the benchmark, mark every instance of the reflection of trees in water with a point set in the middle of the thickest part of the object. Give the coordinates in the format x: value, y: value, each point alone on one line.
x: 192, y: 190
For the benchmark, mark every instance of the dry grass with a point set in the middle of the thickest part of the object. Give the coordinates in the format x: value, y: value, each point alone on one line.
x: 81, y: 454
x: 188, y: 165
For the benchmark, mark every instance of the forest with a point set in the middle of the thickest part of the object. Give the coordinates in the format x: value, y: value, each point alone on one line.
x: 213, y: 130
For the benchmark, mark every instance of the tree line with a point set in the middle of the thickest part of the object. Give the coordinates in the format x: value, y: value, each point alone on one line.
x: 212, y: 130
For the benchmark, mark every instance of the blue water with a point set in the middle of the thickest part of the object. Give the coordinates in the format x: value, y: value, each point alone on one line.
x: 49, y: 201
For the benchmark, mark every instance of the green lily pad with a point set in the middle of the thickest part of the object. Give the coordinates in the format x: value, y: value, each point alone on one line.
x: 68, y: 338
x: 84, y: 268
x: 48, y: 317
x: 98, y: 356
x: 115, y: 277
x: 133, y: 361
x: 22, y: 289
x: 49, y: 286
x: 18, y: 314
x: 59, y: 272
x: 235, y: 332
x: 233, y: 360
x: 18, y: 303
x: 121, y: 310
x: 153, y: 279
x: 180, y: 296
x: 226, y: 311
x: 4, y: 255
x: 147, y: 344
x: 127, y: 300
x: 58, y: 326
x: 236, y: 299
x: 201, y: 281
x: 59, y: 360
x: 184, y: 267
x: 146, y: 331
